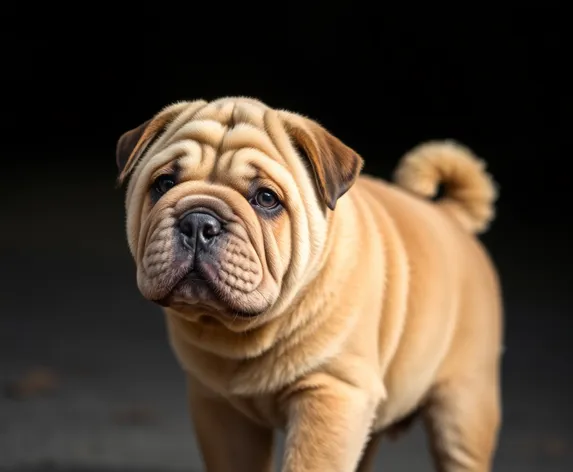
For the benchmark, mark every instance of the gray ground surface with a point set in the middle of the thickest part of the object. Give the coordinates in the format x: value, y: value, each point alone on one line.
x: 69, y: 303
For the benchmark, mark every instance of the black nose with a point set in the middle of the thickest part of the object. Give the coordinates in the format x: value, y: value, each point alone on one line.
x: 199, y: 229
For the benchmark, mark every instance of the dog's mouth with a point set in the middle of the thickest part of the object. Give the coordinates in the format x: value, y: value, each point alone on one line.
x: 194, y: 276
x: 198, y: 291
x: 192, y: 288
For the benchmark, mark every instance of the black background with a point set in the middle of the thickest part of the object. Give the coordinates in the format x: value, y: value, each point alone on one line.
x: 381, y: 80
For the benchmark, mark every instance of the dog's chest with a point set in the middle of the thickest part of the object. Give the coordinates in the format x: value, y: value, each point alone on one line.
x: 263, y: 410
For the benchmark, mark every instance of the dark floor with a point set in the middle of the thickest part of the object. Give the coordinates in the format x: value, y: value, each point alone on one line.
x: 110, y: 396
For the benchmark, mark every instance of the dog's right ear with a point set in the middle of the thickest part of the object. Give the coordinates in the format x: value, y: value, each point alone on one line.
x: 126, y: 145
x: 133, y: 143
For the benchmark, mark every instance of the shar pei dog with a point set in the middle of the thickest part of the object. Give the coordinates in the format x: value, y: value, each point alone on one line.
x: 300, y: 294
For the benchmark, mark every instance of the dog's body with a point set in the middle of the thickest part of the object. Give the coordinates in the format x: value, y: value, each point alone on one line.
x: 382, y: 303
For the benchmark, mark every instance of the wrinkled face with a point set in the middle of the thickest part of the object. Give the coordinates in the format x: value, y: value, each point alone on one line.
x: 227, y: 206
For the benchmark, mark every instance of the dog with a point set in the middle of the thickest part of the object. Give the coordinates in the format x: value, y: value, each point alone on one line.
x: 301, y: 294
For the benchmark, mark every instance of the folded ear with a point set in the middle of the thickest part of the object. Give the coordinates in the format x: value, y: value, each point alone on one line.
x: 133, y: 143
x: 336, y: 166
x: 126, y: 144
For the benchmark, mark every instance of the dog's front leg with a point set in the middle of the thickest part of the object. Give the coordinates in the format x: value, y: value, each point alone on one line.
x: 228, y: 440
x: 329, y: 423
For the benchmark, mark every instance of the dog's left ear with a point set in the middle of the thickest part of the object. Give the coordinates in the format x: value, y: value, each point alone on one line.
x: 336, y: 166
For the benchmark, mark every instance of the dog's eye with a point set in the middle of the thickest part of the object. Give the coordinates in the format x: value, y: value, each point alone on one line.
x: 266, y: 199
x: 163, y: 184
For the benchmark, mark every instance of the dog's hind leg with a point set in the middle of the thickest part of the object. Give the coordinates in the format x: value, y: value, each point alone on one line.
x: 463, y: 419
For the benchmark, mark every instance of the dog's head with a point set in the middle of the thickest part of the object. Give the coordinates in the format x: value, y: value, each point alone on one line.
x: 228, y: 205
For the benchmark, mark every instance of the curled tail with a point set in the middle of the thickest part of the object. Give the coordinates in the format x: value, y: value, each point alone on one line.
x: 469, y: 191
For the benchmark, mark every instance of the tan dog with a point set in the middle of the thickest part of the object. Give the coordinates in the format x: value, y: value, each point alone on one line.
x: 299, y: 295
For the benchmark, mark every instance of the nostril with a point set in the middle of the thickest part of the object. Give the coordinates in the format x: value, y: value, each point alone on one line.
x: 211, y: 229
x: 188, y: 242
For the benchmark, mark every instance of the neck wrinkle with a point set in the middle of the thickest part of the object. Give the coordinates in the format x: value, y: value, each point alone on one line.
x: 290, y: 322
